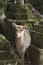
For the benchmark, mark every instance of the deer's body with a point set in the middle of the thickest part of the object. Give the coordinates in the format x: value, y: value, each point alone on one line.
x: 23, y: 42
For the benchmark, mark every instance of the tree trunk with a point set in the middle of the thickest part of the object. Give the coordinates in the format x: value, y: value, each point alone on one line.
x: 20, y: 1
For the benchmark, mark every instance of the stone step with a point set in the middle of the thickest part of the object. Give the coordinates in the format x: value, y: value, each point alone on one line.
x: 38, y: 28
x: 37, y: 38
x: 41, y: 23
x: 36, y: 55
x: 7, y: 58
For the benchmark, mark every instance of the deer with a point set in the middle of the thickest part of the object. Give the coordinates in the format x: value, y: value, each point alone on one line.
x: 23, y: 39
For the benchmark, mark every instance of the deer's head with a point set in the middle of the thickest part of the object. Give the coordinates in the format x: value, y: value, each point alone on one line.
x: 19, y: 28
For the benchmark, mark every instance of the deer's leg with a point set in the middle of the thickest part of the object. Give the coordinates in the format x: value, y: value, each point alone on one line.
x: 22, y: 58
x: 27, y: 54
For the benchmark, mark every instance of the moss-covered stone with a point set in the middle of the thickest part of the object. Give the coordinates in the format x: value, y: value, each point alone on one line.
x: 3, y: 6
x: 41, y: 23
x: 22, y: 12
x: 4, y: 43
x: 32, y: 33
x: 1, y: 11
x: 2, y: 38
x: 5, y: 52
x: 7, y: 58
x: 38, y: 27
x: 16, y: 16
x: 18, y: 8
x: 36, y: 55
x: 8, y: 31
x: 37, y: 39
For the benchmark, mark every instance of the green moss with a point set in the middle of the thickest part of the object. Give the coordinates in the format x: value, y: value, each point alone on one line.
x: 19, y: 9
x: 5, y: 54
x: 8, y: 30
x: 3, y: 39
x: 3, y: 5
x: 21, y: 12
x: 1, y: 11
x: 16, y: 16
x: 4, y: 43
x: 6, y: 57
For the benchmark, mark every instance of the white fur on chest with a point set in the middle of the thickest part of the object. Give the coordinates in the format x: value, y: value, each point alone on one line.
x: 24, y: 40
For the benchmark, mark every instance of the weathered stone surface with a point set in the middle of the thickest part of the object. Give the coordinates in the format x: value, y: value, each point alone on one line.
x: 7, y: 58
x: 22, y: 12
x: 6, y: 55
x: 8, y: 31
x: 41, y: 23
x: 16, y: 16
x: 38, y: 28
x: 36, y: 55
x: 4, y: 43
x: 32, y: 33
x: 37, y: 38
